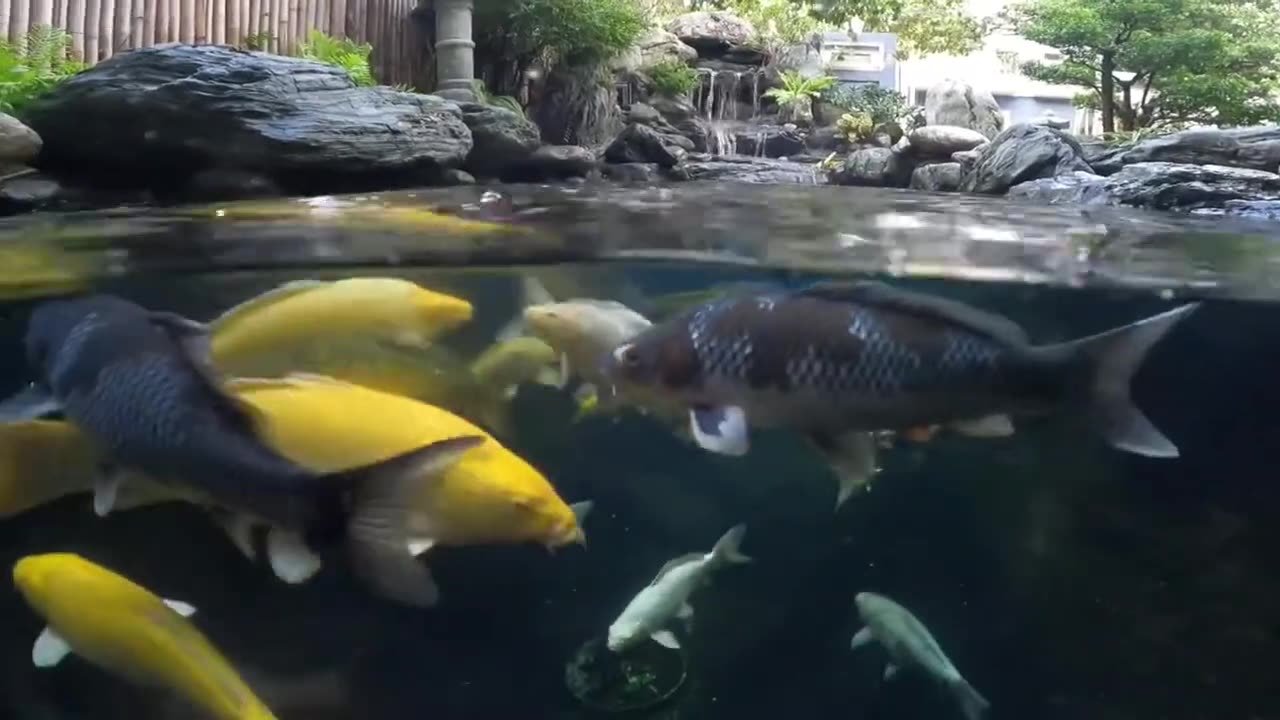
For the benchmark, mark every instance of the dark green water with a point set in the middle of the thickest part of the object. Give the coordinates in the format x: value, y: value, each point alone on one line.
x: 1064, y: 579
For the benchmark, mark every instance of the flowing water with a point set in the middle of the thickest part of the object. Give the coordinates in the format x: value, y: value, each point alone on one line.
x: 1064, y: 579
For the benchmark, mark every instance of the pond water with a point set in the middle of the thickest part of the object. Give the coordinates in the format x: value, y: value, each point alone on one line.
x: 1063, y: 578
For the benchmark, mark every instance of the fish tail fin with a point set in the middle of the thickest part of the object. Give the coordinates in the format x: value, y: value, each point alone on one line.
x: 728, y: 548
x: 972, y: 704
x: 1114, y: 357
x: 377, y: 530
x: 531, y: 292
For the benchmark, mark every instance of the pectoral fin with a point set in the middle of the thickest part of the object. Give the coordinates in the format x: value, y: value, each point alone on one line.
x: 685, y: 614
x: 889, y: 671
x: 106, y: 486
x: 291, y: 559
x: 49, y: 649
x: 991, y: 426
x: 862, y: 638
x: 666, y: 639
x: 30, y: 403
x: 721, y: 430
x: 852, y: 457
x: 418, y: 546
x: 183, y: 609
x: 240, y: 529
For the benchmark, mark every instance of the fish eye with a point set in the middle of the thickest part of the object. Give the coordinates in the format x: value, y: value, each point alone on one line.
x: 627, y: 355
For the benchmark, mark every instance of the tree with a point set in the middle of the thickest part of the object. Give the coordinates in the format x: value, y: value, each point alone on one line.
x: 1161, y: 63
x: 922, y: 26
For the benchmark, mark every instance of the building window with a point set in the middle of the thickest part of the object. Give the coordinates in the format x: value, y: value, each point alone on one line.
x: 864, y: 57
x: 920, y: 96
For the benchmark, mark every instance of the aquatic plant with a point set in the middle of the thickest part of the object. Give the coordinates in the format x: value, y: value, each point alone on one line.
x: 673, y: 78
x: 258, y: 41
x: 32, y: 65
x: 854, y: 127
x: 798, y: 92
x: 505, y: 102
x: 351, y: 56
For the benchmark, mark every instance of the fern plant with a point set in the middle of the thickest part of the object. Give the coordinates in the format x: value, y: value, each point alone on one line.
x: 795, y: 97
x: 346, y: 54
x: 34, y: 64
x: 258, y: 41
x: 503, y: 101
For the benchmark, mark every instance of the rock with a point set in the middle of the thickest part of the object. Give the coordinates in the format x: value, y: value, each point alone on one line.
x: 1157, y: 185
x: 1254, y: 148
x: 875, y: 167
x: 942, y: 140
x: 165, y: 113
x: 553, y: 162
x: 711, y: 33
x: 1251, y: 209
x: 655, y: 47
x: 1021, y: 153
x: 500, y: 138
x: 823, y: 138
x: 28, y: 192
x: 633, y: 172
x: 890, y: 133
x: 639, y: 143
x: 955, y: 102
x: 19, y: 144
x: 770, y: 141
x: 801, y: 58
x: 744, y: 55
x: 751, y: 170
x: 683, y: 116
x: 227, y: 184
x: 938, y: 177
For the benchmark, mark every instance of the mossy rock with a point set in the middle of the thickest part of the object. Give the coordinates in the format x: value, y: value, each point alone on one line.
x: 639, y: 679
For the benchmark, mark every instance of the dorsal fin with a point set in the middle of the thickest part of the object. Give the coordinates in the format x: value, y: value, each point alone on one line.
x: 673, y: 564
x: 266, y: 299
x: 872, y: 292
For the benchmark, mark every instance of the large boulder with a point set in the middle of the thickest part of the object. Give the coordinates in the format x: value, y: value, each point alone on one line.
x: 501, y: 138
x: 751, y: 170
x: 654, y: 47
x: 941, y: 141
x: 772, y: 141
x: 1254, y: 148
x: 875, y: 167
x: 19, y: 144
x: 165, y: 113
x: 642, y: 144
x: 684, y: 117
x: 1251, y: 209
x: 937, y: 177
x: 801, y: 58
x: 553, y: 162
x: 956, y: 102
x: 1021, y: 153
x: 711, y: 33
x: 1157, y: 185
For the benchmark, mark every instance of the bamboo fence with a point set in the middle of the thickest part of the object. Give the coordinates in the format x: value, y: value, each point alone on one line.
x: 100, y: 29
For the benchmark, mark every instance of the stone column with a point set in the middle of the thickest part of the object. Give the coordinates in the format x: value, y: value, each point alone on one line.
x: 455, y: 50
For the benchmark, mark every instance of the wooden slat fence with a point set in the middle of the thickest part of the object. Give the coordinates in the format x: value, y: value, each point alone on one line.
x: 102, y: 28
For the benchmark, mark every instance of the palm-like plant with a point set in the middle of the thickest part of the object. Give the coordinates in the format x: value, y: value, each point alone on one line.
x: 797, y: 94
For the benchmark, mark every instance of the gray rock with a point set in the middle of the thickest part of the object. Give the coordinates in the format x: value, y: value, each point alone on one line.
x: 682, y: 116
x: 941, y: 141
x: 633, y: 172
x: 655, y: 47
x: 500, y: 138
x: 19, y: 144
x: 455, y: 176
x: 800, y: 58
x: 229, y: 184
x: 955, y: 102
x: 823, y: 138
x: 170, y: 111
x: 28, y: 192
x: 1252, y: 209
x: 770, y: 141
x: 1157, y: 185
x: 1255, y: 148
x: 938, y: 177
x: 643, y: 144
x: 744, y: 55
x: 711, y: 32
x: 554, y: 162
x: 875, y: 167
x: 751, y: 170
x: 1021, y: 153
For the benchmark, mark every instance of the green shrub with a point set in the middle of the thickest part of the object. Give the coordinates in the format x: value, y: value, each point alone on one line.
x: 854, y: 127
x: 503, y: 101
x: 575, y: 32
x: 880, y: 104
x: 33, y: 65
x: 350, y: 56
x: 673, y: 78
x: 258, y: 41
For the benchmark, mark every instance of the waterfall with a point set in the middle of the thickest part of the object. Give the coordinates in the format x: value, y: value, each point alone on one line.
x: 716, y: 98
x: 722, y: 138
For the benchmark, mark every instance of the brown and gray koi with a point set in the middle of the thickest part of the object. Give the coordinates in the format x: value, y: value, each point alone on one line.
x: 841, y: 360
